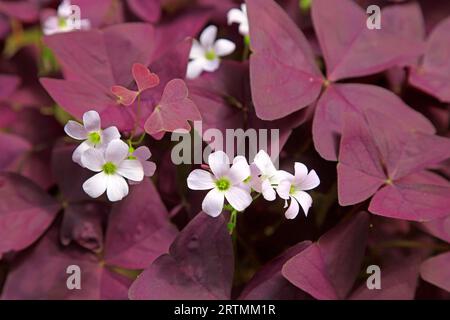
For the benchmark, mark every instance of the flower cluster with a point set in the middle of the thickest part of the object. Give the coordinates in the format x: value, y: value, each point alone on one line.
x: 237, y: 180
x: 67, y: 19
x: 205, y: 54
x: 103, y: 152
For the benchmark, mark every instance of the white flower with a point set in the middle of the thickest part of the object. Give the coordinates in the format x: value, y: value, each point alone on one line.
x: 65, y: 20
x: 113, y: 166
x: 294, y: 188
x: 269, y: 177
x: 91, y: 132
x: 240, y: 17
x: 142, y: 154
x: 205, y: 55
x: 223, y: 183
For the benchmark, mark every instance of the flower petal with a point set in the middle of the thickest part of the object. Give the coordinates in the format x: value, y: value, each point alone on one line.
x: 116, y: 151
x: 195, y: 68
x: 110, y: 134
x: 304, y: 199
x: 264, y: 163
x: 75, y: 130
x: 293, y: 209
x: 236, y: 16
x: 283, y: 189
x: 224, y: 47
x: 213, y: 203
x: 200, y: 180
x: 239, y: 171
x: 208, y: 37
x: 197, y: 51
x: 93, y: 159
x: 142, y: 153
x: 78, y: 152
x: 91, y: 121
x: 131, y: 169
x: 96, y: 185
x: 310, y: 182
x: 117, y: 188
x: 267, y: 191
x: 238, y: 198
x: 301, y: 171
x: 219, y: 163
x: 211, y: 65
x: 149, y: 168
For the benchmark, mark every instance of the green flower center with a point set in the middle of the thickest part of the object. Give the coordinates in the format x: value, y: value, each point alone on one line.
x: 130, y: 152
x: 210, y: 55
x: 223, y: 184
x: 62, y: 22
x: 247, y: 180
x: 109, y: 168
x: 292, y: 190
x: 94, y: 138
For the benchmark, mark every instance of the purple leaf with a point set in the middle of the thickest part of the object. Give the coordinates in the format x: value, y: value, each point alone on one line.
x: 439, y: 228
x: 283, y: 73
x: 410, y: 199
x: 8, y: 84
x: 147, y: 10
x: 436, y: 270
x: 14, y: 148
x: 398, y: 282
x: 394, y: 158
x: 92, y: 62
x: 328, y: 268
x: 49, y: 280
x: 359, y: 99
x: 269, y: 283
x: 83, y: 223
x: 26, y: 212
x: 432, y: 76
x: 139, y: 229
x: 26, y: 11
x: 350, y: 48
x: 100, y: 12
x: 68, y: 175
x: 199, y: 265
x: 173, y: 111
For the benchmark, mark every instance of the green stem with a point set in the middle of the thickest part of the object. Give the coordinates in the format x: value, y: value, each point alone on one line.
x: 246, y: 51
x: 232, y: 222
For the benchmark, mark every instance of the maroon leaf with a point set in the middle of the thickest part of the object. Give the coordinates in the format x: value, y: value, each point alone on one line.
x: 269, y: 283
x: 283, y: 74
x: 328, y: 268
x: 173, y: 111
x: 49, y: 280
x: 139, y: 229
x: 398, y: 282
x: 83, y: 223
x: 436, y: 270
x: 350, y: 48
x: 147, y: 10
x: 14, y: 149
x: 26, y: 212
x: 8, y: 84
x: 432, y: 76
x: 68, y: 175
x: 199, y: 265
x: 410, y: 199
x: 359, y: 99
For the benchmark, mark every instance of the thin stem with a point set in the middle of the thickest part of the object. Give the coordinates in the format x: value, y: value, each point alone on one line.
x: 232, y: 222
x: 246, y: 51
